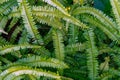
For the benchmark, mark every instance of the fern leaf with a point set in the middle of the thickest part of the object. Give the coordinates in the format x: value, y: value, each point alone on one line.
x: 109, y: 32
x: 29, y: 22
x: 3, y: 42
x: 2, y: 24
x: 50, y: 21
x: 105, y: 76
x: 5, y: 60
x: 71, y: 48
x: 6, y: 7
x: 13, y: 22
x: 58, y: 5
x: 15, y: 34
x: 58, y: 44
x: 42, y: 51
x: 92, y: 54
x: 115, y: 8
x: 23, y: 39
x: 38, y: 61
x: 98, y: 14
x: 6, y: 49
x: 11, y: 73
x: 48, y: 11
x: 73, y: 34
x: 2, y: 1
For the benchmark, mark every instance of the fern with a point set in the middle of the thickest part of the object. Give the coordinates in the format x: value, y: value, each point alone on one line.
x: 56, y: 4
x: 72, y: 48
x: 10, y: 73
x: 29, y: 22
x: 115, y: 8
x: 98, y: 14
x: 51, y: 12
x: 91, y: 56
x: 58, y: 44
x: 37, y: 61
x: 110, y: 33
x: 6, y: 7
x: 9, y: 48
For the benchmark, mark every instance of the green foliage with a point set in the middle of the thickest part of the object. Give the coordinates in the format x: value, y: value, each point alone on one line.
x: 59, y: 40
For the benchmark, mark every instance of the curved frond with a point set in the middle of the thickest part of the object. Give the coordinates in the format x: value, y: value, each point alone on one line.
x: 109, y: 32
x: 98, y: 14
x: 38, y: 61
x: 58, y: 44
x: 2, y: 1
x: 71, y: 48
x: 115, y: 8
x: 6, y: 7
x: 48, y: 11
x: 12, y: 72
x: 92, y: 51
x: 58, y: 5
x: 9, y: 48
x: 29, y: 22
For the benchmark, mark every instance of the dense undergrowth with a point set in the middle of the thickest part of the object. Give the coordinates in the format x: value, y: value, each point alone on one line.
x: 59, y: 40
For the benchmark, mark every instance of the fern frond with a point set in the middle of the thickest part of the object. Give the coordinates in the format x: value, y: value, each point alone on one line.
x: 109, y: 32
x: 15, y: 34
x: 105, y: 76
x: 48, y: 36
x: 58, y: 5
x: 71, y: 48
x: 115, y: 8
x: 5, y: 60
x: 9, y: 48
x: 54, y: 22
x: 29, y: 22
x: 98, y: 14
x: 12, y: 72
x: 2, y: 24
x: 12, y: 23
x: 23, y: 39
x: 19, y: 77
x: 58, y: 44
x: 92, y: 63
x: 6, y: 7
x: 3, y: 42
x: 15, y: 13
x: 48, y: 11
x: 73, y: 34
x: 42, y: 51
x: 2, y: 1
x: 38, y: 61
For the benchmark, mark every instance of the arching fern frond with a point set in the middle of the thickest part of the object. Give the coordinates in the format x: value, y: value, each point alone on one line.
x: 2, y: 1
x: 58, y: 44
x: 72, y: 48
x: 29, y: 22
x: 53, y: 12
x: 109, y: 32
x: 15, y: 34
x: 115, y: 8
x: 98, y: 14
x: 12, y: 72
x: 5, y: 60
x: 92, y: 63
x: 9, y: 48
x: 6, y: 7
x: 58, y: 5
x: 37, y: 61
x: 50, y: 21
